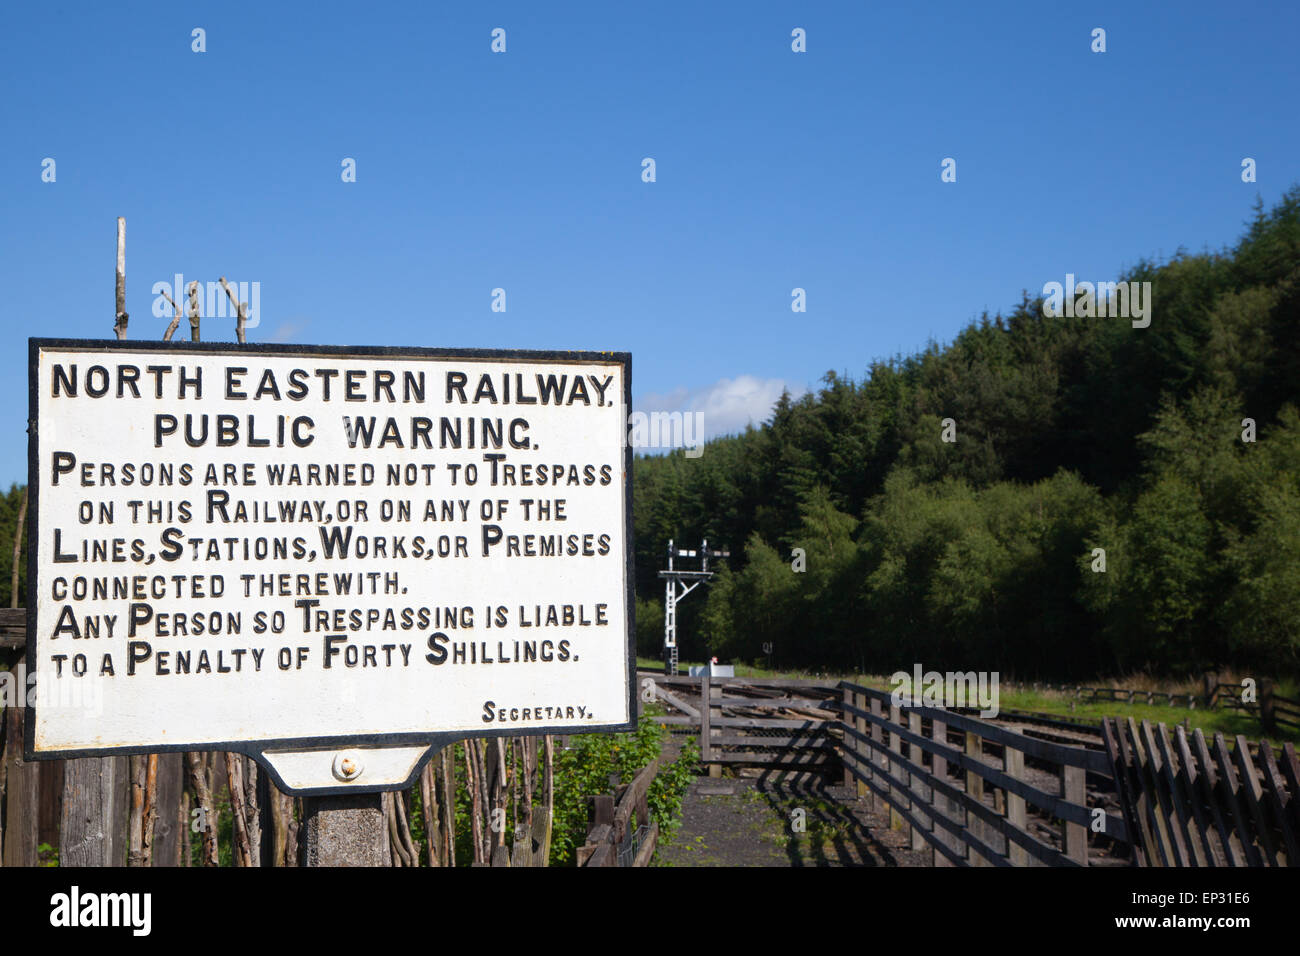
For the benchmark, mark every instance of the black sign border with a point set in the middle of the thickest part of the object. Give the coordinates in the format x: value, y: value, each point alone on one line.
x: 434, y: 742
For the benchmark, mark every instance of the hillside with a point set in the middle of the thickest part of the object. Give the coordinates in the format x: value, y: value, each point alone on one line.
x: 1071, y: 435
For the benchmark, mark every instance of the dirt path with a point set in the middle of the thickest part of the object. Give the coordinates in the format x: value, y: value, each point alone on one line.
x: 747, y: 821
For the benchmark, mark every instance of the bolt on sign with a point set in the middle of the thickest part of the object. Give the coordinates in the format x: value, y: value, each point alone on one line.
x: 337, y: 560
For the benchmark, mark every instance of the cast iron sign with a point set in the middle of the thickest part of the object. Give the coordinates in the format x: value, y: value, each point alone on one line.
x: 334, y: 559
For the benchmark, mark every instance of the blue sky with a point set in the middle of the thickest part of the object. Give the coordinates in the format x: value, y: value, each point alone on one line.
x: 522, y: 171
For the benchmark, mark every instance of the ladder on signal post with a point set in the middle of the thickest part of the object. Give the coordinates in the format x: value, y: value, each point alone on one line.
x: 680, y: 582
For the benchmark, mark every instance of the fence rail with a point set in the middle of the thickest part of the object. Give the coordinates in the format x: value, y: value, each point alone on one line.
x: 975, y: 793
x: 1271, y: 709
x: 775, y: 724
x: 1028, y: 789
x: 621, y: 832
x: 13, y: 628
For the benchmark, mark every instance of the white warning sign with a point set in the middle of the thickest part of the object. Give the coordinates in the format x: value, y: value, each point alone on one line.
x: 297, y: 548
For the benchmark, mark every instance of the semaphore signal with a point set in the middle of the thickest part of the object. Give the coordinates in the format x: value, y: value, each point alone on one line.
x: 679, y: 583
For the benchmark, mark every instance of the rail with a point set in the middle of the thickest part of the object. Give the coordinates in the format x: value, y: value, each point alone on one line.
x: 620, y: 831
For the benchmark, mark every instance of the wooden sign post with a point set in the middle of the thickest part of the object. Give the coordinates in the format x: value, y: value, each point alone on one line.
x: 334, y: 560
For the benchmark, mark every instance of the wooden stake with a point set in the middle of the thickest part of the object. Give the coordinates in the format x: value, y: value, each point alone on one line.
x: 516, y: 746
x: 499, y: 791
x: 185, y: 831
x: 150, y: 818
x: 432, y: 817
x: 530, y: 778
x: 281, y: 807
x: 449, y: 804
x: 252, y: 810
x: 119, y: 323
x: 23, y: 794
x: 200, y: 769
x: 135, y: 827
x: 241, y: 311
x: 235, y: 779
x: 18, y: 550
x: 548, y: 774
x: 395, y: 845
x: 193, y: 311
x: 176, y: 319
x: 404, y: 829
x: 475, y: 819
x: 171, y: 828
x: 292, y: 805
x: 543, y: 821
x: 481, y: 772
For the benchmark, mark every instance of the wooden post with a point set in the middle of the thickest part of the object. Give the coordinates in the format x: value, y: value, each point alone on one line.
x: 21, y: 789
x: 138, y: 770
x: 94, y: 812
x: 849, y: 742
x: 246, y: 849
x: 275, y: 819
x: 943, y: 804
x: 1014, y: 764
x: 19, y: 527
x: 877, y: 736
x: 706, y: 728
x: 119, y: 322
x: 241, y: 311
x: 432, y: 817
x: 1210, y: 682
x: 1267, y: 715
x: 50, y: 786
x: 176, y: 319
x: 1074, y: 836
x: 348, y: 830
x: 924, y: 797
x: 449, y: 799
x: 192, y: 310
x: 171, y: 826
x: 896, y: 819
x: 199, y: 766
x: 859, y: 748
x: 975, y: 790
x: 715, y: 769
x: 706, y: 751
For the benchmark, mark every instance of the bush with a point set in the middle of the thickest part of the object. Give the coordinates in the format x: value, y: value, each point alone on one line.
x: 583, y: 770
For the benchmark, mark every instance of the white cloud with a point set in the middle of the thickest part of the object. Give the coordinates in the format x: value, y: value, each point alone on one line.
x: 728, y: 405
x: 290, y: 330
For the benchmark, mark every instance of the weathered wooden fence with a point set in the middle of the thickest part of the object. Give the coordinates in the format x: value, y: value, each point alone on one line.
x: 975, y: 793
x: 1190, y: 804
x: 786, y: 724
x: 1270, y: 708
x: 1021, y: 790
x: 621, y: 831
